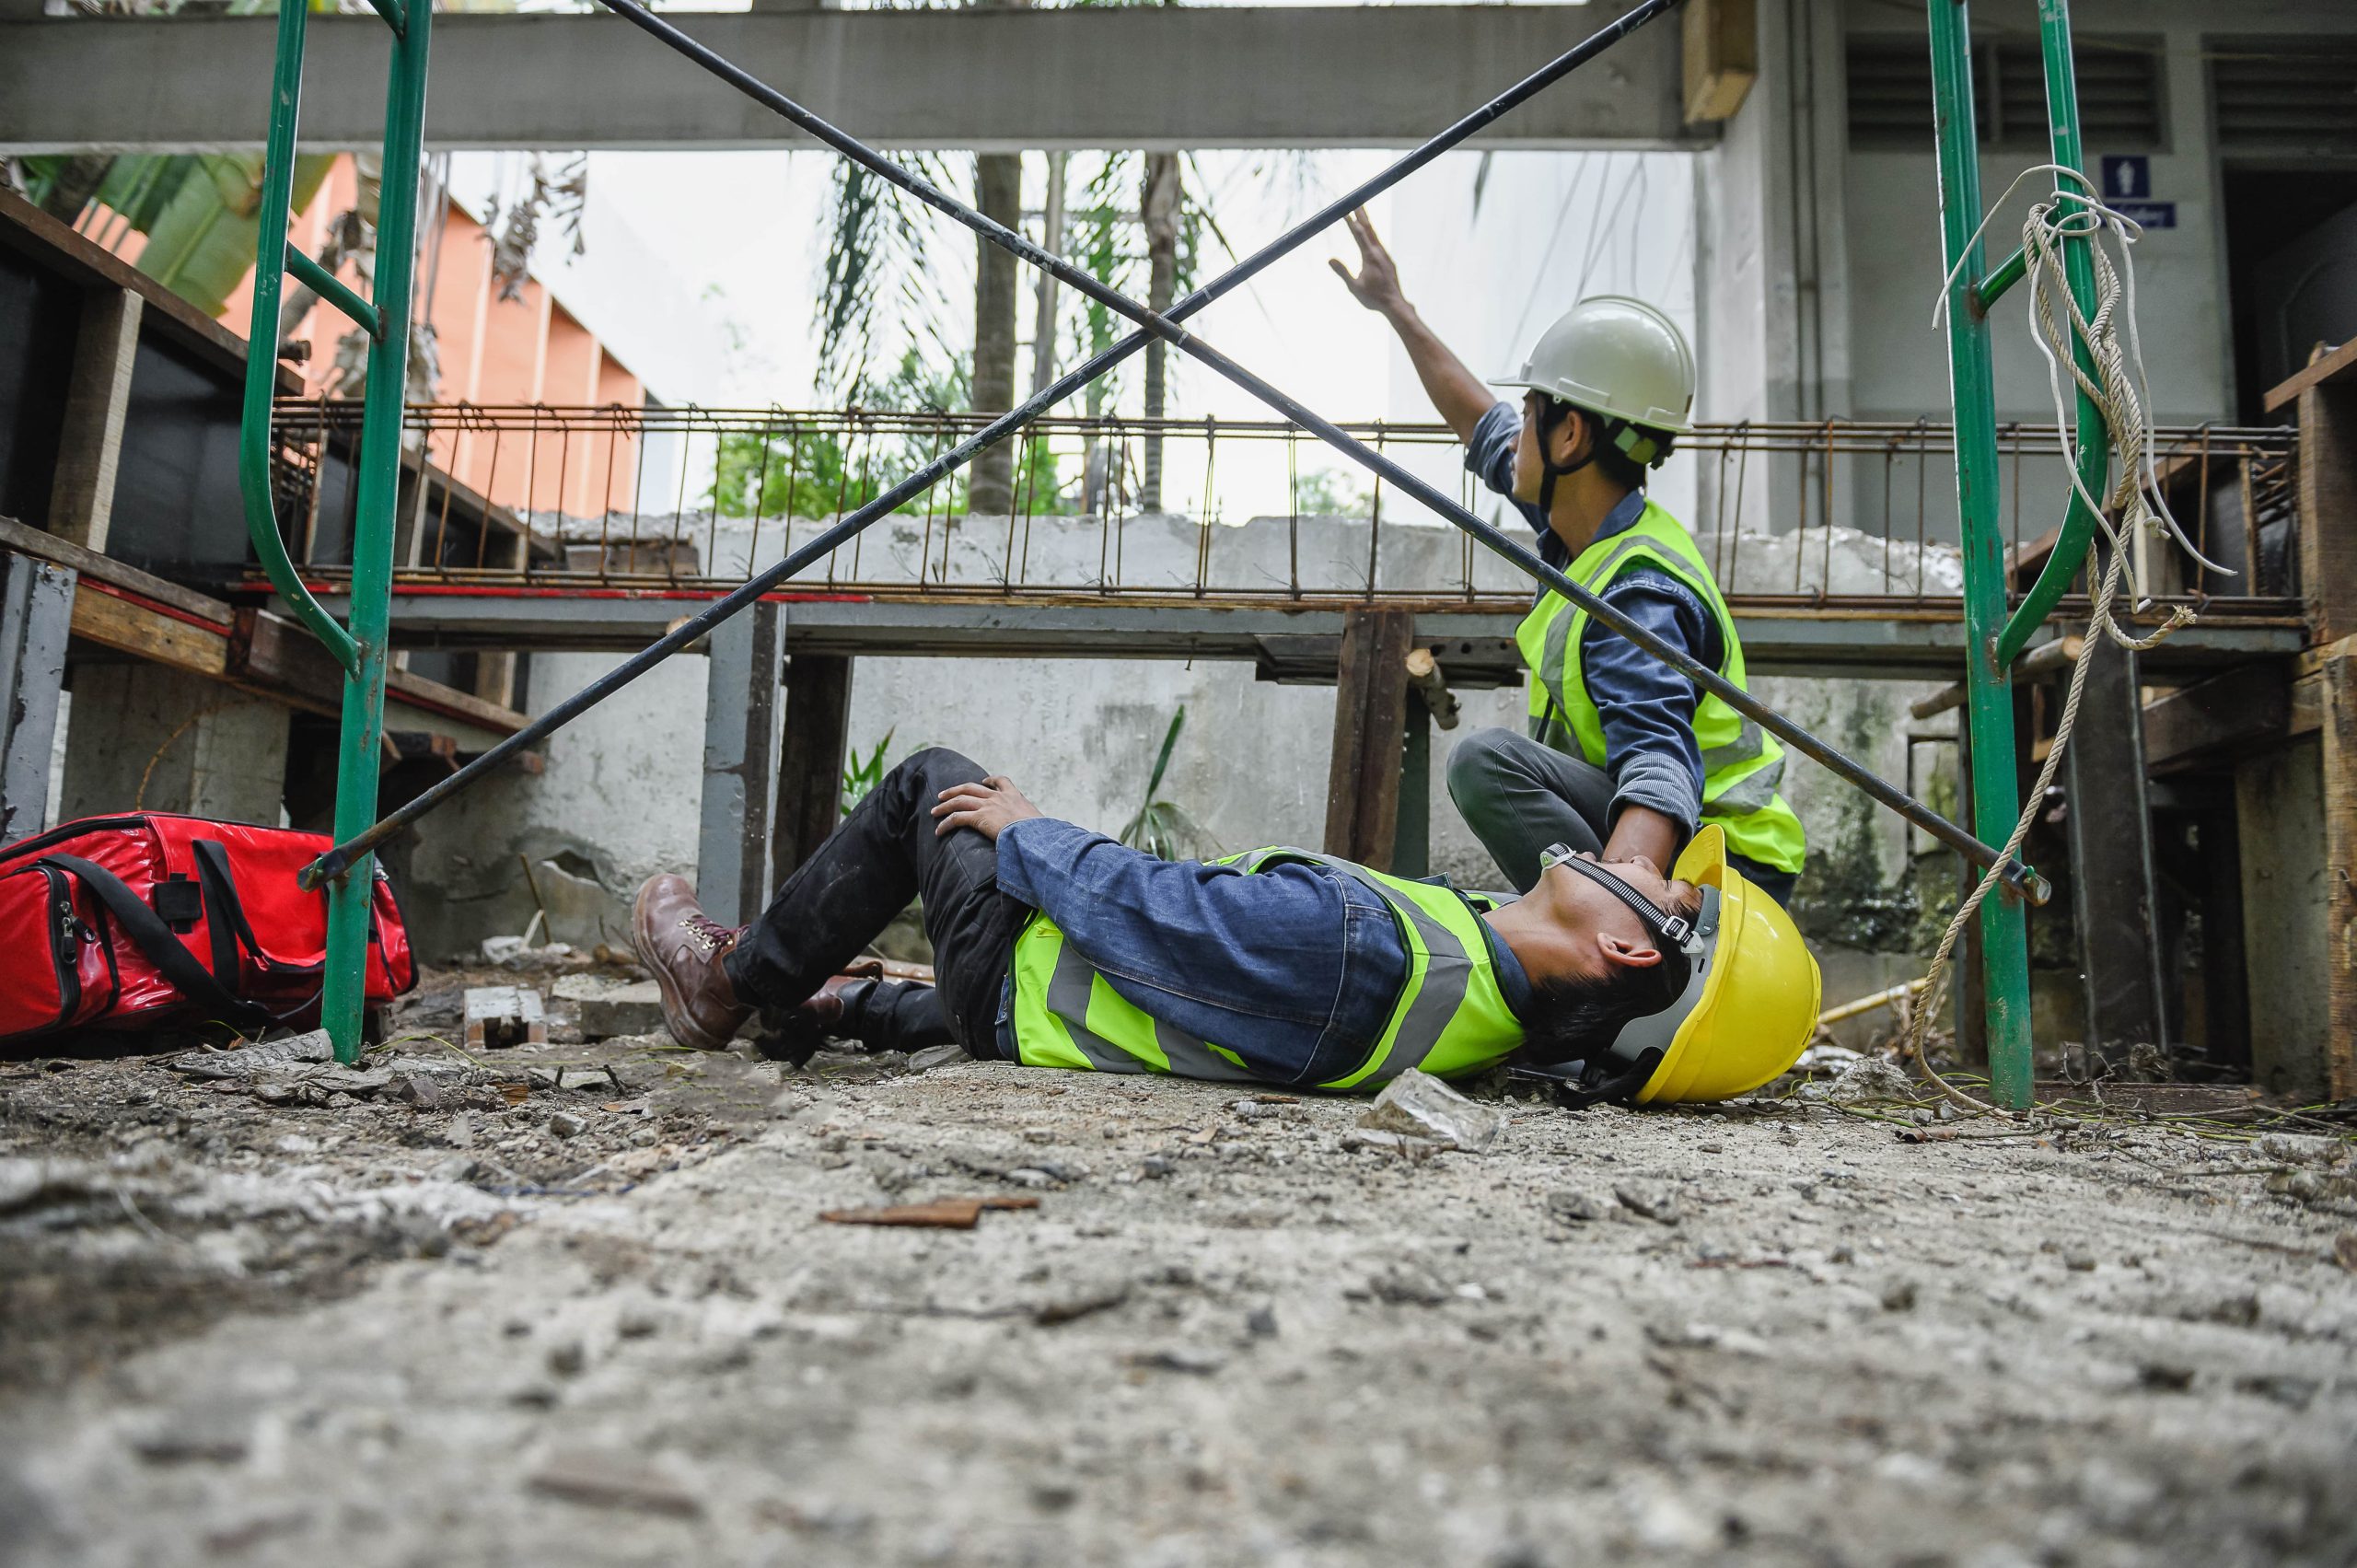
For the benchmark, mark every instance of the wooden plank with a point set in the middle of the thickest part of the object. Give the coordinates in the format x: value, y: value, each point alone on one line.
x: 274, y: 655
x: 2339, y: 733
x: 106, y: 617
x: 810, y: 758
x: 2208, y: 722
x: 2338, y: 365
x: 81, y: 497
x: 24, y: 539
x: 1370, y: 735
x: 1721, y: 58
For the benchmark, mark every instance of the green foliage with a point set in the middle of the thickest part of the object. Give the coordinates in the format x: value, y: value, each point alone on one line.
x: 811, y: 473
x: 1163, y: 827
x: 199, y: 211
x: 1328, y: 492
x: 863, y: 774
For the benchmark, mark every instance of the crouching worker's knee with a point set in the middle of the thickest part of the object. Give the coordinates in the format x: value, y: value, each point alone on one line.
x: 1479, y: 763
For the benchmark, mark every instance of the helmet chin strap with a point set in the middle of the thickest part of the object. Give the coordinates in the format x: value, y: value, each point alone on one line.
x: 1557, y: 412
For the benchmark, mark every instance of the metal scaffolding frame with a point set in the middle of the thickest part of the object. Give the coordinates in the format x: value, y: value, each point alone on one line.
x: 345, y: 869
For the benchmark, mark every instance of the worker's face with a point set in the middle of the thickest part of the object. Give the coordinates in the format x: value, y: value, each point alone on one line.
x: 1529, y: 472
x: 1602, y: 932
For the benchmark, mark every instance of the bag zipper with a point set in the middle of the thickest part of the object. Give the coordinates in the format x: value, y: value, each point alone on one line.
x: 66, y: 932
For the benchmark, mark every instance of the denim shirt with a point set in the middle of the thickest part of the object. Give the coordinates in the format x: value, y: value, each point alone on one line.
x: 1647, y: 708
x: 1296, y: 964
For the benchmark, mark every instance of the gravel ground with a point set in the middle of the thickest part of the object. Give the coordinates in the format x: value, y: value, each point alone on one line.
x: 442, y: 1326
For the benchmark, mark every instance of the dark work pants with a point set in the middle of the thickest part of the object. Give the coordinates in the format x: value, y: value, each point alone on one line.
x: 842, y: 896
x: 1520, y: 797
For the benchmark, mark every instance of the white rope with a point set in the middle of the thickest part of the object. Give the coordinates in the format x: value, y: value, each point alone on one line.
x: 2118, y: 388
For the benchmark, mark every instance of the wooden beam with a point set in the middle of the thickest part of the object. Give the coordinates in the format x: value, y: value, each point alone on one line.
x: 2328, y: 501
x: 1721, y: 58
x: 1370, y: 735
x: 2338, y: 365
x: 27, y: 540
x: 2339, y: 733
x: 2212, y: 721
x: 81, y: 497
x: 113, y: 617
x: 273, y: 656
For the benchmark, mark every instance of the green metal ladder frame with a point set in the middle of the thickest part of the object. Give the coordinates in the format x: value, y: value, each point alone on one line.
x: 1993, y: 638
x: 386, y: 318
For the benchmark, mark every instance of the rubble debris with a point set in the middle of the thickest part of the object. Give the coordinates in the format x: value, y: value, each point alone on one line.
x: 1176, y: 1358
x: 2294, y: 1148
x: 942, y: 1213
x: 501, y: 1016
x: 246, y: 1061
x: 1261, y: 1323
x: 934, y: 1056
x: 566, y: 1124
x: 1865, y: 1083
x: 1078, y: 1306
x: 607, y: 1008
x: 1417, y: 1105
x: 600, y: 1478
x: 1576, y: 1207
x: 2344, y: 1250
x: 1407, y: 1285
x: 1650, y: 1201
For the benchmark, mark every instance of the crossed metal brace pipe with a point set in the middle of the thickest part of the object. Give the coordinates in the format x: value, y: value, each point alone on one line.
x: 337, y: 860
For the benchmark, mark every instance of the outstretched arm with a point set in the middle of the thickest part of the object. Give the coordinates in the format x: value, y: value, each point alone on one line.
x: 1460, y: 396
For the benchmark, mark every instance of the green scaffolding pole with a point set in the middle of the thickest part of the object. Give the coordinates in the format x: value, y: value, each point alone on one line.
x: 1992, y: 641
x: 361, y: 650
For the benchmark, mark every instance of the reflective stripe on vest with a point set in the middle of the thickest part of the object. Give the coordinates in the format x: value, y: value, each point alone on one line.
x: 1450, y: 1017
x: 1742, y: 766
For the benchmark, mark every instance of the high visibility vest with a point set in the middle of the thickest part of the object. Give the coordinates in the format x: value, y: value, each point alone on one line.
x: 1450, y: 1017
x: 1742, y: 764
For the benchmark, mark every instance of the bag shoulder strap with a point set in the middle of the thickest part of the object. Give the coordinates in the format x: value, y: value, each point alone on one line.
x: 154, y: 939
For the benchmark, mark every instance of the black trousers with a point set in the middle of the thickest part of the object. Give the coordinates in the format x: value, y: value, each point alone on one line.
x: 842, y: 898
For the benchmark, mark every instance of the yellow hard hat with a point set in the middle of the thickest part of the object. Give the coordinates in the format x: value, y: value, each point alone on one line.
x: 1751, y: 996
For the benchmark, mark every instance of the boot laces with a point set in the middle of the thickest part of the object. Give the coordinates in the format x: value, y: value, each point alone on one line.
x: 708, y: 936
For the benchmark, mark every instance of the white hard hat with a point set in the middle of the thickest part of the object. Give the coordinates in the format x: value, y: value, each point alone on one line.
x: 1615, y: 356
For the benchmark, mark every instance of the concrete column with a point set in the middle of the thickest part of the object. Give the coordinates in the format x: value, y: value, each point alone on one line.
x: 36, y: 614
x: 81, y: 498
x: 739, y: 763
x: 145, y: 738
x: 810, y: 774
x: 2114, y: 895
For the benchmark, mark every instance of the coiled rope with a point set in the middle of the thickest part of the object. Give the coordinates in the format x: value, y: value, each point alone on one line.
x: 2118, y: 392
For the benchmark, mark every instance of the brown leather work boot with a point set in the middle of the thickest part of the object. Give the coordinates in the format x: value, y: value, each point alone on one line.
x: 681, y: 947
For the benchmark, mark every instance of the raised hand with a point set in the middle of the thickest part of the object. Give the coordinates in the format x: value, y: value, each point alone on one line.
x: 1376, y: 287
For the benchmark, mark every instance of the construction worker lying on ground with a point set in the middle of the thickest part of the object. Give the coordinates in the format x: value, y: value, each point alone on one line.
x: 1056, y: 947
x: 1619, y: 759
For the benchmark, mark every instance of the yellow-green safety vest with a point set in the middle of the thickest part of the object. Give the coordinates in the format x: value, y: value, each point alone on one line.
x: 1742, y: 764
x: 1450, y: 1018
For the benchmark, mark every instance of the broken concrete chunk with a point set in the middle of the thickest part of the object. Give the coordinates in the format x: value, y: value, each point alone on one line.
x: 608, y: 1008
x: 1655, y: 1202
x: 605, y: 1479
x: 1862, y: 1083
x: 2294, y: 1148
x: 934, y: 1056
x: 247, y: 1060
x: 1417, y: 1105
x: 1576, y: 1207
x: 505, y: 1015
x: 564, y: 1124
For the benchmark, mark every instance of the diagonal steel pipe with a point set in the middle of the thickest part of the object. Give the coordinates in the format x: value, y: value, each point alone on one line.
x: 340, y: 859
x: 1166, y: 327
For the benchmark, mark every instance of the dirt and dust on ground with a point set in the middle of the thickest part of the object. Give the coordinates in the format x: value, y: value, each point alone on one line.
x: 576, y: 1304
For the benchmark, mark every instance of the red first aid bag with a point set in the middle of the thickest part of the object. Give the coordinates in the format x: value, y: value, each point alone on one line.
x: 130, y: 922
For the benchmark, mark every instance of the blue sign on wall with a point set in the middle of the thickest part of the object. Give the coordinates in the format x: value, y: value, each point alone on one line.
x: 2126, y: 177
x: 2149, y: 215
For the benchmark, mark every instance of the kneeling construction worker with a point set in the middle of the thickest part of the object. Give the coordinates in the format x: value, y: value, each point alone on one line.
x: 1056, y: 947
x: 1619, y: 756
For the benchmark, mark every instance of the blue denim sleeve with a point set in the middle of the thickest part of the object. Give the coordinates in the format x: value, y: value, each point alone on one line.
x: 1272, y: 943
x: 1648, y: 708
x: 1489, y: 455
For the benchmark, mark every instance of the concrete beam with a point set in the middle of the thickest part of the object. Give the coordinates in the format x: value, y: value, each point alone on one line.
x: 1158, y: 77
x: 36, y: 615
x: 81, y: 498
x: 739, y: 763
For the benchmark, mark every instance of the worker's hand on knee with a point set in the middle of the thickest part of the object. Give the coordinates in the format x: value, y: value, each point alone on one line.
x: 1378, y: 283
x: 986, y: 807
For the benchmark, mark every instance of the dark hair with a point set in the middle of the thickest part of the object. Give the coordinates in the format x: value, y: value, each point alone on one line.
x: 1573, y: 1018
x: 1616, y: 465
